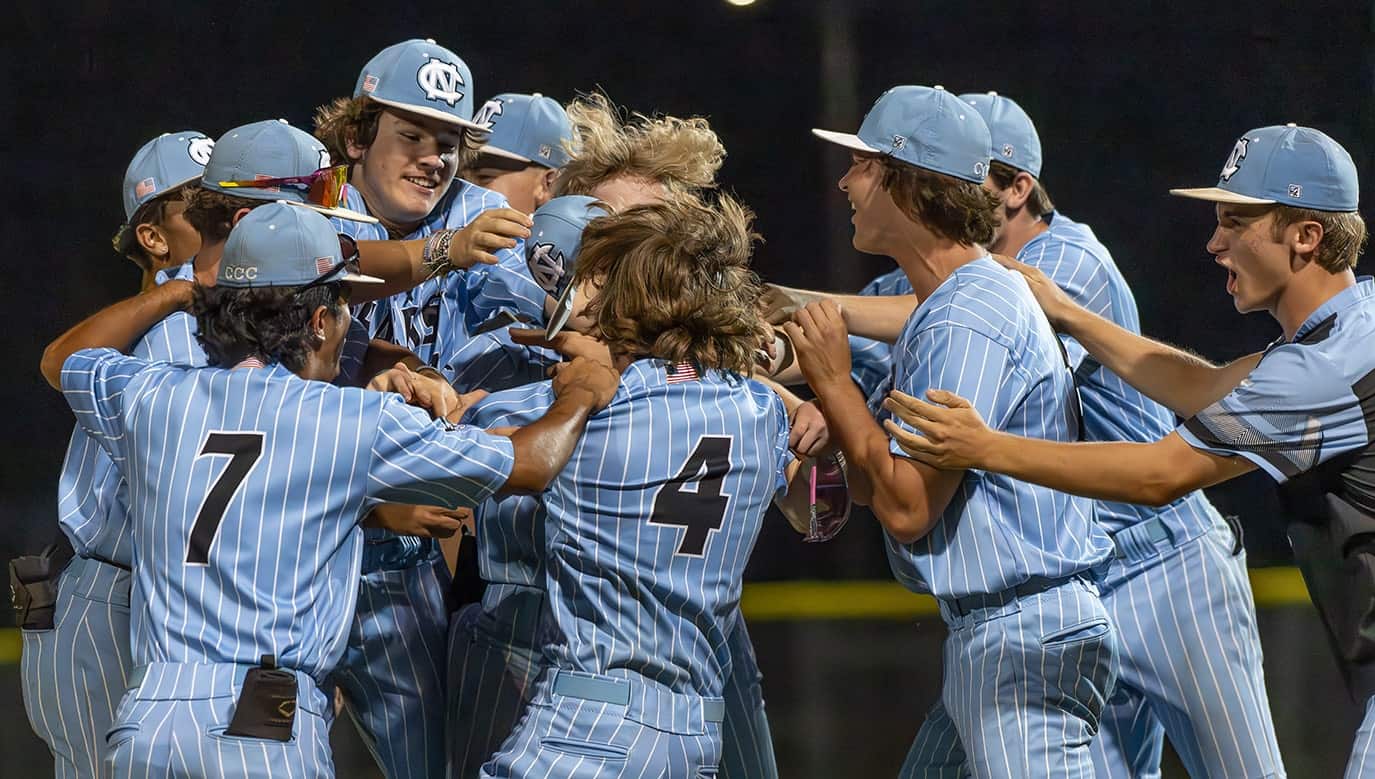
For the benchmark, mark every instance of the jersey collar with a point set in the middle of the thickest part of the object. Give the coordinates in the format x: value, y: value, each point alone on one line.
x: 1363, y: 290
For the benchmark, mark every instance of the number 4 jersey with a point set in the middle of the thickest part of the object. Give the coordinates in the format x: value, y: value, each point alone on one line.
x: 245, y: 489
x: 649, y: 526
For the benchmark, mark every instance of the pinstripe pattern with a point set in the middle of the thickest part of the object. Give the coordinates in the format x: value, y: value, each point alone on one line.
x: 1024, y: 686
x: 172, y: 725
x: 295, y: 603
x: 1190, y: 649
x: 747, y: 743
x: 569, y: 738
x: 670, y: 635
x: 981, y: 335
x: 872, y: 361
x: 1362, y: 762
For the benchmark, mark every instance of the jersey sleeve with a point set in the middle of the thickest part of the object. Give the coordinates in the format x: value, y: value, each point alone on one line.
x: 870, y: 363
x: 492, y: 361
x: 783, y: 454
x: 172, y: 340
x: 421, y: 461
x: 504, y: 286
x: 1294, y: 412
x: 351, y: 355
x: 1081, y: 276
x: 94, y: 382
x: 963, y: 361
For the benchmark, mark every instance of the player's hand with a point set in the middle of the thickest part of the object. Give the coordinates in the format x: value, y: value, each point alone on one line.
x: 587, y: 375
x: 180, y: 292
x: 1053, y: 301
x: 570, y: 344
x: 807, y: 433
x: 494, y: 229
x: 466, y: 400
x: 779, y: 304
x: 819, y: 336
x: 955, y: 436
x: 423, y: 390
x: 422, y: 521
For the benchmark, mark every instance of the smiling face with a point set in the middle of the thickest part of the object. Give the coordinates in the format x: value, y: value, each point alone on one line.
x: 1258, y: 265
x: 407, y: 169
x: 875, y: 213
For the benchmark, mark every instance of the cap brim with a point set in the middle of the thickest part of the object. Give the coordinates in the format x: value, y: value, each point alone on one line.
x: 848, y: 140
x: 337, y: 213
x: 563, y: 309
x: 509, y: 155
x: 1220, y: 195
x: 359, y: 278
x: 431, y: 113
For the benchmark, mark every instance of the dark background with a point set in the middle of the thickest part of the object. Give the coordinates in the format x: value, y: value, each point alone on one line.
x: 1130, y: 100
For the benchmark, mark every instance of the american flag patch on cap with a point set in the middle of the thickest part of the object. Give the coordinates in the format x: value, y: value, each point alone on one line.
x: 145, y: 188
x: 369, y: 83
x: 681, y: 372
x: 323, y: 264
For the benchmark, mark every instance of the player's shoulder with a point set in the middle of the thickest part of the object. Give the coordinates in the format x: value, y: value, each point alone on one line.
x: 517, y: 406
x: 1066, y: 245
x: 173, y: 339
x: 981, y: 296
x: 468, y: 200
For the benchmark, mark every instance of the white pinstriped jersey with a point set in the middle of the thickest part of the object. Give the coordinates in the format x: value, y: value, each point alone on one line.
x: 650, y: 525
x: 871, y: 361
x: 245, y: 490
x: 981, y: 335
x: 1070, y: 254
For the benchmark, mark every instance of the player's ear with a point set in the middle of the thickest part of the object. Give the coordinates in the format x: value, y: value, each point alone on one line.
x: 1304, y: 237
x: 151, y: 240
x: 318, y: 324
x: 1022, y: 186
x: 240, y: 214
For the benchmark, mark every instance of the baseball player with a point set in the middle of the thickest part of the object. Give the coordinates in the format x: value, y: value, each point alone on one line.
x: 1289, y: 235
x: 649, y: 527
x: 76, y: 647
x: 530, y: 139
x: 1030, y: 657
x: 1177, y: 586
x: 280, y: 494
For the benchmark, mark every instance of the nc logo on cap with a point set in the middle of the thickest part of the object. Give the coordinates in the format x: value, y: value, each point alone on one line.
x: 1008, y: 151
x: 199, y: 150
x: 546, y: 266
x: 489, y: 111
x: 440, y: 80
x: 1233, y: 163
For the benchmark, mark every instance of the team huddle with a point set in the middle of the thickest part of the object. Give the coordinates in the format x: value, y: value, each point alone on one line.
x: 538, y: 323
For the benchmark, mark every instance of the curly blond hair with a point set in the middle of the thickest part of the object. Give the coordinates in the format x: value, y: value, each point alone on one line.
x: 674, y: 281
x: 682, y: 154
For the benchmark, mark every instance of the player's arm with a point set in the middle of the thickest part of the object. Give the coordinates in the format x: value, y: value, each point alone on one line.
x: 404, y: 264
x: 953, y: 435
x: 808, y: 435
x: 117, y: 326
x: 1183, y: 382
x: 907, y: 497
x: 877, y: 317
x: 581, y: 388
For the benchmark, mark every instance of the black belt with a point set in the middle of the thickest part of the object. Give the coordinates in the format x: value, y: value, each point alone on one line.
x: 962, y: 607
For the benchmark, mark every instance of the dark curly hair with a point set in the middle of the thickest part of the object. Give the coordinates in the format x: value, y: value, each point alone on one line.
x: 211, y: 212
x: 272, y: 323
x: 674, y: 282
x: 960, y: 211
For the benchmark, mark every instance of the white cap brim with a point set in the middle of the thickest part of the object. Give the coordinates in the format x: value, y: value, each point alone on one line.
x: 848, y: 140
x: 1220, y: 195
x: 431, y: 113
x: 563, y: 309
x: 338, y: 213
x: 495, y: 152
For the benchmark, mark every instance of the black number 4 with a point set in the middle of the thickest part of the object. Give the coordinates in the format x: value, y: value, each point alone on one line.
x: 702, y: 510
x: 243, y: 449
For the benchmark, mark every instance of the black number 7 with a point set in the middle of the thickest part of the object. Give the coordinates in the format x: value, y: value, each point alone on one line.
x: 244, y: 450
x: 702, y: 510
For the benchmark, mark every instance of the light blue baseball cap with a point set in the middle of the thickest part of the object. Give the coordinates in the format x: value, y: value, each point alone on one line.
x: 551, y: 251
x: 421, y: 77
x: 1015, y: 141
x: 527, y: 128
x: 281, y: 245
x: 163, y: 164
x: 923, y: 126
x: 1286, y: 165
x: 270, y: 149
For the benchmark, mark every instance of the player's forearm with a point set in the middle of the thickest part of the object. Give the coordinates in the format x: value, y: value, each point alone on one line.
x: 901, y: 504
x: 400, y: 264
x: 1114, y: 471
x: 790, y: 399
x: 118, y: 326
x: 543, y: 447
x: 880, y: 318
x: 383, y: 355
x: 1183, y: 382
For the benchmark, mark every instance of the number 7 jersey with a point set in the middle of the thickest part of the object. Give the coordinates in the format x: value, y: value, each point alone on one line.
x: 650, y: 524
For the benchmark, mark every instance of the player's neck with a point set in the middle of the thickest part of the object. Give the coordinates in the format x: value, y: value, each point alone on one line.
x: 1309, y: 289
x: 1017, y: 232
x: 395, y: 231
x: 928, y: 259
x: 206, y: 263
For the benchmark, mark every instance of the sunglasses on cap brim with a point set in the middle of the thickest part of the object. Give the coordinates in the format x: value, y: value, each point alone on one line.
x: 348, y: 249
x: 324, y: 187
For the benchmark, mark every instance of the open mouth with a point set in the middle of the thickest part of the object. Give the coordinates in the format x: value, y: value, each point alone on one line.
x: 423, y: 183
x: 1231, y: 282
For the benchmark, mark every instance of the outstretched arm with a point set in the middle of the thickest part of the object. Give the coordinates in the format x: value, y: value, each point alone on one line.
x: 404, y: 264
x: 117, y: 326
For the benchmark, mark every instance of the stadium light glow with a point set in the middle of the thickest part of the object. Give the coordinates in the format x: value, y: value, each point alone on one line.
x: 740, y: 3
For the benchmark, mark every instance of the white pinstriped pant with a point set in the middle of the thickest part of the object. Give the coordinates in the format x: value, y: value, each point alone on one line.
x: 1362, y: 762
x: 1190, y: 662
x: 1025, y: 684
x: 171, y: 724
x: 74, y: 675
